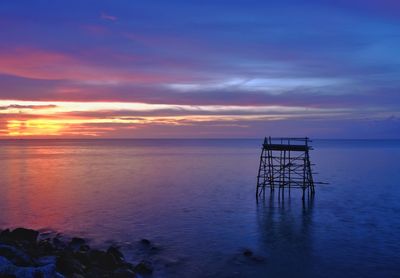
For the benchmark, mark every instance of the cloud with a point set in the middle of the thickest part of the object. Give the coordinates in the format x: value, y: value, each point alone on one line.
x: 206, y: 112
x: 332, y: 59
x: 169, y: 123
x: 49, y: 65
x: 362, y: 97
x: 30, y: 107
x: 108, y: 17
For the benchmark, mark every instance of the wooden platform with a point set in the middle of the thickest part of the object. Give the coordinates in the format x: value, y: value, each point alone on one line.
x: 286, y: 147
x: 285, y: 164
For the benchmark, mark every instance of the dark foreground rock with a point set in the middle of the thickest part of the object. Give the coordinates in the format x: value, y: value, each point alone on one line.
x: 24, y: 254
x: 144, y: 267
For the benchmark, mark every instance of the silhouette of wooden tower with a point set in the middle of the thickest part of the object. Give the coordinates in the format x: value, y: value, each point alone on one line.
x: 285, y: 164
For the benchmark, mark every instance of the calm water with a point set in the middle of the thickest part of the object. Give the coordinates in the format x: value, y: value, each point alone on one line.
x: 195, y: 199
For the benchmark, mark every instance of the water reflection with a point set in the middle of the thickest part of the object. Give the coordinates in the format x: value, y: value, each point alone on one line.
x: 33, y: 189
x: 285, y: 230
x: 195, y: 199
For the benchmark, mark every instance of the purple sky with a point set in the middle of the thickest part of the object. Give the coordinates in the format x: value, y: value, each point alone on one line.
x: 324, y: 69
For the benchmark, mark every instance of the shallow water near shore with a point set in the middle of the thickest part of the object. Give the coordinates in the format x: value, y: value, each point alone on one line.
x: 195, y: 201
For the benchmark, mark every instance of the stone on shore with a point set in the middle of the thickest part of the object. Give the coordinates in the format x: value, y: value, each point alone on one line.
x: 103, y: 259
x: 8, y: 269
x: 144, y: 267
x: 23, y: 255
x: 24, y: 235
x: 123, y: 273
x: 76, y: 243
x: 247, y: 253
x: 118, y: 256
x: 145, y: 241
x: 68, y: 265
x: 15, y: 255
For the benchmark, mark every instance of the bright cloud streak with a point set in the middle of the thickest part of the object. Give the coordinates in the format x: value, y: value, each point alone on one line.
x: 258, y: 84
x: 59, y: 107
x: 39, y: 118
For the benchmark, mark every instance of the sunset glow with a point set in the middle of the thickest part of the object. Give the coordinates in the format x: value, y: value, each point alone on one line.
x: 34, y: 127
x: 37, y: 118
x: 116, y: 70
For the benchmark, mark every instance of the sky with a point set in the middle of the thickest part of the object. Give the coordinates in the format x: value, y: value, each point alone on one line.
x: 199, y: 69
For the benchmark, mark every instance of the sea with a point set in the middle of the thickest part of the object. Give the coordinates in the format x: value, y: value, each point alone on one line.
x: 194, y: 199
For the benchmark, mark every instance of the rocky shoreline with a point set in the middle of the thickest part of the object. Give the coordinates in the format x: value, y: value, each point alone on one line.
x: 29, y: 253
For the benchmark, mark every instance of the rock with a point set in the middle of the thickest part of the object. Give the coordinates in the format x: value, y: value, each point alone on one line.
x: 123, y: 273
x: 7, y: 269
x: 145, y: 241
x: 77, y: 240
x: 77, y: 276
x: 22, y: 234
x: 45, y: 246
x: 5, y: 235
x: 94, y: 272
x: 103, y: 259
x: 148, y: 246
x: 248, y: 253
x: 15, y: 255
x: 59, y: 244
x: 46, y: 233
x: 144, y: 267
x: 4, y: 261
x: 24, y: 254
x: 68, y: 265
x: 76, y: 243
x: 96, y: 256
x: 83, y: 258
x: 114, y: 251
x: 84, y: 248
x: 46, y: 260
x: 46, y: 271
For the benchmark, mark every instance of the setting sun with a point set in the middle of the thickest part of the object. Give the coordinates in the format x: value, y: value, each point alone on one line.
x: 37, y: 127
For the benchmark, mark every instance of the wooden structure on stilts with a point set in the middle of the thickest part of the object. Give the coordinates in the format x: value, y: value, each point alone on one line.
x: 285, y: 164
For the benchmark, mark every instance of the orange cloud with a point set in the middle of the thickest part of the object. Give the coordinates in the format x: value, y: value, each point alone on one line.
x: 39, y: 64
